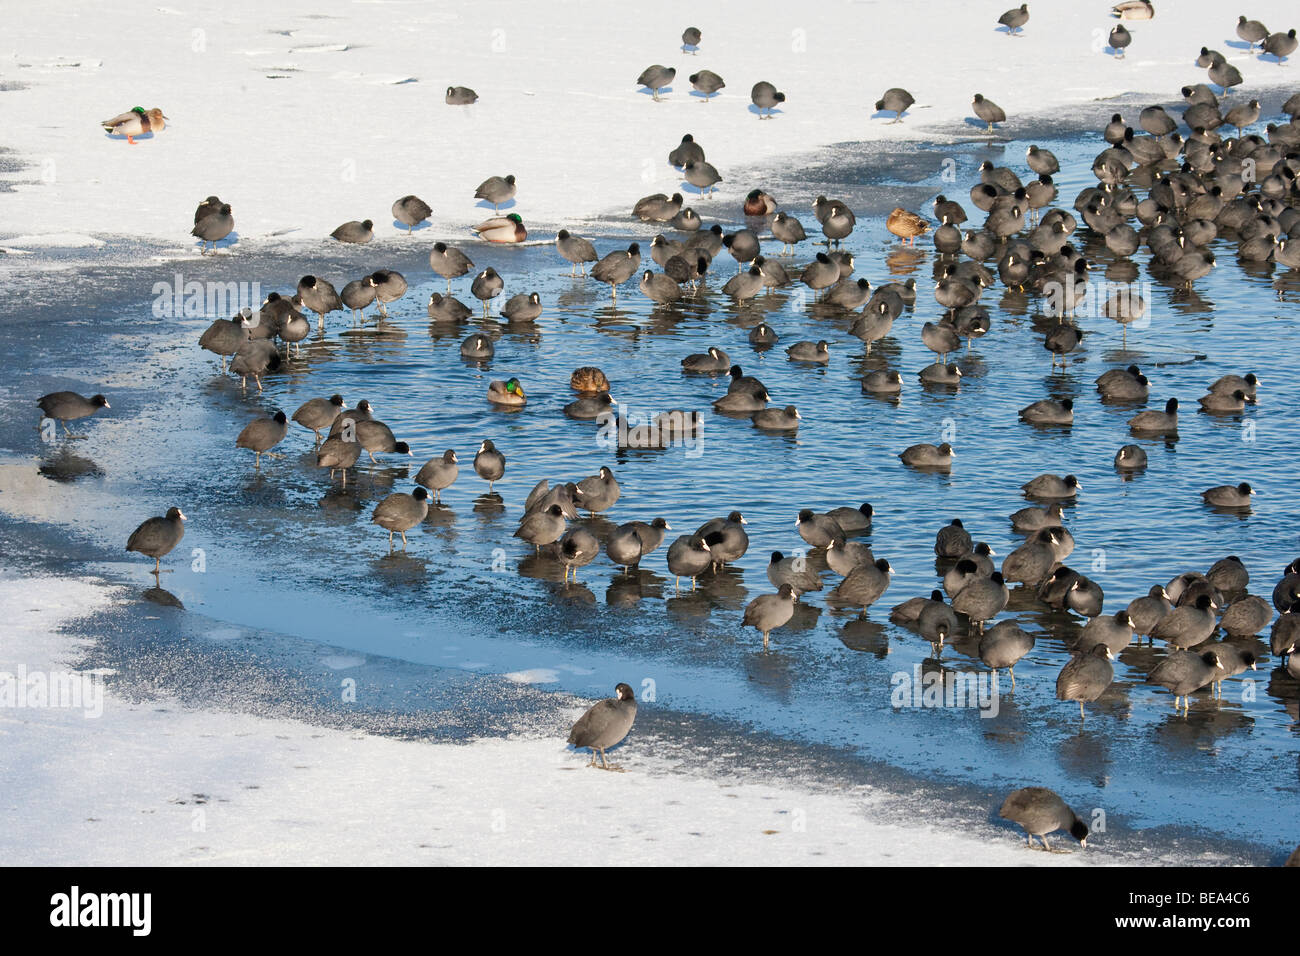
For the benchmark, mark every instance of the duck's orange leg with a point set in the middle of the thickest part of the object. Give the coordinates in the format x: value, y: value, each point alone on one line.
x: 130, y: 140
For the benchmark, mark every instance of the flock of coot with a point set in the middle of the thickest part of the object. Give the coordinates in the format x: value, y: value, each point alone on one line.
x: 1168, y: 183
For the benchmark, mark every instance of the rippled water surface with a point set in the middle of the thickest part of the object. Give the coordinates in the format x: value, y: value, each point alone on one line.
x: 284, y: 549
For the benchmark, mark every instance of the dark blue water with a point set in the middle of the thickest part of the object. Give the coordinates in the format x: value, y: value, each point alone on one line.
x: 282, y: 549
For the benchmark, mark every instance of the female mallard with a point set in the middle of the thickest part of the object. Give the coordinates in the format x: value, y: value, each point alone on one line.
x: 588, y: 380
x: 506, y: 393
x: 502, y: 229
x: 136, y: 122
x: 906, y: 225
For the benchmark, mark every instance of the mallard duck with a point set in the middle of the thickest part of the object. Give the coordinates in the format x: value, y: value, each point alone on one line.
x: 509, y: 392
x: 906, y: 225
x: 1133, y: 10
x: 135, y: 122
x: 502, y: 229
x: 588, y: 380
x: 759, y: 203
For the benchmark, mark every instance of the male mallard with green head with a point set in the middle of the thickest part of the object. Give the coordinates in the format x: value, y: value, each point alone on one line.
x: 135, y: 122
x: 502, y: 229
x: 506, y: 393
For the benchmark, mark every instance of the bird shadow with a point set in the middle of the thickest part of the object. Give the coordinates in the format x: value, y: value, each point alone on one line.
x: 1241, y: 514
x: 979, y: 124
x: 700, y: 95
x: 575, y: 592
x: 1272, y: 58
x: 774, y: 111
x: 225, y: 243
x: 688, y: 48
x: 341, y: 501
x: 663, y: 91
x: 939, y: 471
x: 401, y: 226
x: 1239, y: 44
x: 139, y: 137
x: 441, y: 515
x: 485, y: 204
x: 542, y: 565
x: 1114, y: 52
x: 865, y: 636
x: 627, y: 590
x: 889, y: 115
x: 162, y: 597
x: 66, y: 466
x: 400, y: 568
x: 701, y: 191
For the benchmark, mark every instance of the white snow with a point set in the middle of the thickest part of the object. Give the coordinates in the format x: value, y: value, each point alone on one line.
x: 536, y: 675
x: 160, y: 783
x: 355, y: 116
x: 53, y: 240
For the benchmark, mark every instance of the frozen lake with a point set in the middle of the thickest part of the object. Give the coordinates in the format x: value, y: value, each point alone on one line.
x: 285, y: 551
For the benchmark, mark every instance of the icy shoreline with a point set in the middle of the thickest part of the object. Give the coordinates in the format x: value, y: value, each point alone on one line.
x: 159, y: 782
